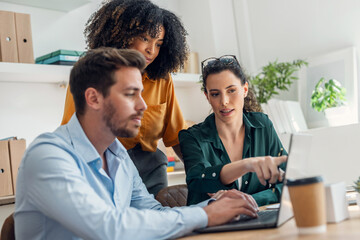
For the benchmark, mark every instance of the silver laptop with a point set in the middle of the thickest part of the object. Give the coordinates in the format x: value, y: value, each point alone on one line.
x: 275, y: 215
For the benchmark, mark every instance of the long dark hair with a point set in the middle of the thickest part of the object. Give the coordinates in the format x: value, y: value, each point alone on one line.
x: 218, y: 65
x: 118, y: 22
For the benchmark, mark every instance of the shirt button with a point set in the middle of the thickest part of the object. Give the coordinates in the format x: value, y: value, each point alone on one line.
x: 246, y: 182
x: 203, y: 175
x: 214, y: 174
x: 269, y: 185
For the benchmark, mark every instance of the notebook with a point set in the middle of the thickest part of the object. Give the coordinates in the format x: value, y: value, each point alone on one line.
x: 277, y: 214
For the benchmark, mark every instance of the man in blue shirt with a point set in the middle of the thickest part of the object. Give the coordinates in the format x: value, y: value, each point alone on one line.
x: 79, y: 182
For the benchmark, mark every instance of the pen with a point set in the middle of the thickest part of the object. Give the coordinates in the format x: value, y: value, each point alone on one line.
x: 282, y: 173
x: 281, y: 151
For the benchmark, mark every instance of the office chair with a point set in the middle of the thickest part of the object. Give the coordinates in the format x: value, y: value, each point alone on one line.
x: 173, y: 196
x: 8, y: 229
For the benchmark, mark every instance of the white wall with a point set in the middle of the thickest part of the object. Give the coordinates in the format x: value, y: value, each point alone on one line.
x: 29, y: 109
x: 298, y: 29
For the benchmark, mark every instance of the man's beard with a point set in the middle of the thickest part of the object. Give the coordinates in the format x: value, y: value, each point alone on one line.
x: 109, y: 116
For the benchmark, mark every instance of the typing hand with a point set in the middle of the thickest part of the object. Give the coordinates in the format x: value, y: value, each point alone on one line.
x: 225, y: 209
x: 234, y: 194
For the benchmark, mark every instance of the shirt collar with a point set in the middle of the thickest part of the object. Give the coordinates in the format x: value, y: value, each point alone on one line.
x: 82, y: 144
x: 251, y: 122
x: 145, y: 77
x: 209, y: 131
x: 80, y: 141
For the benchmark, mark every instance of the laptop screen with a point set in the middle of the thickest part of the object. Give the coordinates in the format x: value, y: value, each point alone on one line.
x: 296, y: 167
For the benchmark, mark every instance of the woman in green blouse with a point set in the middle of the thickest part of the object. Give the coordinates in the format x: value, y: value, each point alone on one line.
x: 235, y: 147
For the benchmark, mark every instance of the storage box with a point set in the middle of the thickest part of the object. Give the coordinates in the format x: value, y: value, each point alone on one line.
x: 336, y: 203
x: 15, y: 38
x: 6, y: 188
x: 11, y: 153
x: 8, y: 41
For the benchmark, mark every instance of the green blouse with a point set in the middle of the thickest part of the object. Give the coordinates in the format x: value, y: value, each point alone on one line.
x: 204, y: 156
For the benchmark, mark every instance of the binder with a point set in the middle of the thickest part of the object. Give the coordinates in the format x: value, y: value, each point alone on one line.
x: 24, y: 38
x: 16, y: 151
x: 8, y: 42
x: 5, y: 173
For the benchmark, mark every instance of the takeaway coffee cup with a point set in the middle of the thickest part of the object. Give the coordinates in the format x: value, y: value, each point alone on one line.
x: 308, y: 200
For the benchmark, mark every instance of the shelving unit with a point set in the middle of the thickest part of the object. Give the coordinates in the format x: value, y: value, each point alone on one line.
x: 176, y: 177
x: 42, y: 73
x: 186, y: 79
x: 7, y: 200
x: 33, y: 73
x: 174, y: 173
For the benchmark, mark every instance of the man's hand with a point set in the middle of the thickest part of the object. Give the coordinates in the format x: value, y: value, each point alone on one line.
x: 236, y: 194
x: 225, y: 209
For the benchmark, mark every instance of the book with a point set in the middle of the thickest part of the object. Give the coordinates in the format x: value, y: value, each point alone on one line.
x: 295, y: 116
x: 61, y: 57
x: 276, y: 115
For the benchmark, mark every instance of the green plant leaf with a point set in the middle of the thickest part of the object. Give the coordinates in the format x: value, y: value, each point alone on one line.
x: 275, y: 77
x: 327, y: 95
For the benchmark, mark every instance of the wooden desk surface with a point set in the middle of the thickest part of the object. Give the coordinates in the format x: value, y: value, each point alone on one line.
x: 348, y: 229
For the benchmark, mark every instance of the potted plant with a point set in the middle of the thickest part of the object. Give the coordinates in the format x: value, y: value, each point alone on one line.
x: 329, y: 97
x: 273, y: 78
x: 357, y: 189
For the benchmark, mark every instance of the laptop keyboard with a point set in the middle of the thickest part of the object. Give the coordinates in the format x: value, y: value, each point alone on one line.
x: 264, y: 215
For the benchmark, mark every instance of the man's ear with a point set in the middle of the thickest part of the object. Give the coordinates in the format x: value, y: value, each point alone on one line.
x: 93, y: 98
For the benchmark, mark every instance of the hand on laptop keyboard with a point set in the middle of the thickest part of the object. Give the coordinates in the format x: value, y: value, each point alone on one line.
x: 242, y: 217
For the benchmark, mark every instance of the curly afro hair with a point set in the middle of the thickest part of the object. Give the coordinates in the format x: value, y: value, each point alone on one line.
x: 118, y: 22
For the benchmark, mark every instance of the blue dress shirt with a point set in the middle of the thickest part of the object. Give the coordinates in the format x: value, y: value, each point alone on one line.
x: 64, y: 193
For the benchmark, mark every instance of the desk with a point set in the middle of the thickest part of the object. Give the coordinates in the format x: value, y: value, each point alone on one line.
x: 348, y: 229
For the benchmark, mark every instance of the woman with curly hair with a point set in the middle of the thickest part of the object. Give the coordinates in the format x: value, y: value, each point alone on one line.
x: 160, y: 36
x: 235, y: 147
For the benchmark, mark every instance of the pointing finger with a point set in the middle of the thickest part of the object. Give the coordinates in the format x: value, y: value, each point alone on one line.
x: 280, y: 160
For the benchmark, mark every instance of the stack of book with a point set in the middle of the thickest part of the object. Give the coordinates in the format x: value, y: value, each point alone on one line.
x: 60, y: 57
x: 286, y: 116
x: 171, y: 164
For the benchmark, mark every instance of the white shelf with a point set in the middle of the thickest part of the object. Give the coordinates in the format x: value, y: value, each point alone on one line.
x: 186, y: 79
x: 62, y: 5
x: 7, y: 200
x: 176, y: 172
x: 34, y: 73
x: 43, y: 73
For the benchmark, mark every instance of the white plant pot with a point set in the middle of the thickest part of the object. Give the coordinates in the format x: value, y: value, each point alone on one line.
x: 338, y: 116
x: 358, y: 199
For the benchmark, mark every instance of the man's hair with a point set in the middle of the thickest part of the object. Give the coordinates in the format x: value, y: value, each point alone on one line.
x: 118, y: 22
x: 96, y: 69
